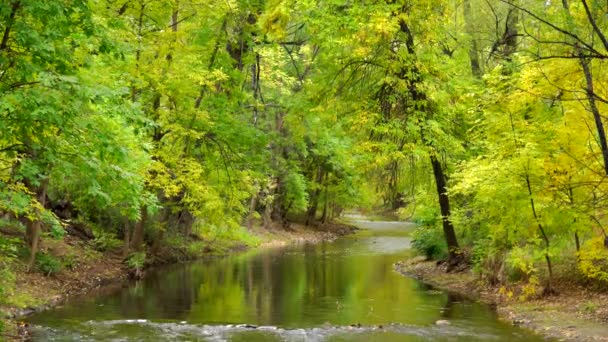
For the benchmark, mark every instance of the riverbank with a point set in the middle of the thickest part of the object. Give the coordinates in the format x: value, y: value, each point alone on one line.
x: 574, y: 314
x: 299, y: 233
x: 91, y: 269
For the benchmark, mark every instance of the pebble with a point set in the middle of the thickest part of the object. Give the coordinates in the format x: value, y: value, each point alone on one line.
x: 267, y: 327
x: 522, y: 321
x: 442, y: 322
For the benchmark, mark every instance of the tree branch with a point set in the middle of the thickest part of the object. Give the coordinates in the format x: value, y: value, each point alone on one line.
x: 553, y: 26
x: 594, y: 24
x: 9, y: 25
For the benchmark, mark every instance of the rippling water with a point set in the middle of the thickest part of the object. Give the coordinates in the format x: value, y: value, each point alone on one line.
x: 341, y: 291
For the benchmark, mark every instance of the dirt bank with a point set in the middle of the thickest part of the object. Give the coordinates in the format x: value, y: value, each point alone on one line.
x: 575, y: 314
x: 91, y: 270
x: 299, y: 233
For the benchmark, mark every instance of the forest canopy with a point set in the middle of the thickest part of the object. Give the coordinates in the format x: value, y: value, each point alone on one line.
x: 147, y: 120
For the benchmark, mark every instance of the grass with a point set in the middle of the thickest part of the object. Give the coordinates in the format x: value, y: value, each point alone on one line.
x: 226, y: 239
x: 589, y: 307
x: 23, y: 300
x: 213, y: 241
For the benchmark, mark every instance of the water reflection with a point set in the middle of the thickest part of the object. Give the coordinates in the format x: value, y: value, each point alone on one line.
x: 339, y: 284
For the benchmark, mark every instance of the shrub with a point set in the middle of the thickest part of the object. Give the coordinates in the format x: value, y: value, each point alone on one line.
x: 70, y: 261
x: 136, y: 261
x: 196, y: 248
x: 8, y: 253
x: 56, y: 230
x: 429, y: 241
x: 106, y: 242
x: 427, y: 216
x: 488, y: 261
x: 593, y: 260
x: 589, y: 307
x: 520, y: 264
x: 227, y: 236
x: 47, y: 264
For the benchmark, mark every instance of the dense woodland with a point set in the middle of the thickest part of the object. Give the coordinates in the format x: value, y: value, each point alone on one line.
x: 150, y: 122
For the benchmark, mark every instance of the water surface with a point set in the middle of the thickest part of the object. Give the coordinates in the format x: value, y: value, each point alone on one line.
x: 346, y: 290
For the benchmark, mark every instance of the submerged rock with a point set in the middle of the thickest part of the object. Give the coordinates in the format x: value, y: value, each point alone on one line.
x: 522, y: 321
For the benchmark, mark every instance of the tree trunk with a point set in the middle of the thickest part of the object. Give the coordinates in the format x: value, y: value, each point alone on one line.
x: 158, y: 238
x: 279, y: 152
x: 423, y: 104
x: 126, y: 249
x: 185, y: 221
x: 277, y: 203
x: 314, y: 199
x: 473, y: 49
x: 597, y: 117
x: 511, y: 33
x: 590, y: 89
x: 252, y: 204
x: 549, y: 288
x: 324, y: 215
x: 34, y: 228
x: 576, y: 238
x: 267, y: 216
x: 11, y: 20
x: 137, y: 238
x: 444, y: 204
x: 162, y: 218
x: 393, y: 184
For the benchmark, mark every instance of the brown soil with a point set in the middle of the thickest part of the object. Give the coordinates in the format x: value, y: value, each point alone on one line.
x: 91, y: 269
x: 299, y: 233
x: 573, y: 314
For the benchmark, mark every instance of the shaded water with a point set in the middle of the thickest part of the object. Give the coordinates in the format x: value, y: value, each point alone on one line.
x: 341, y: 291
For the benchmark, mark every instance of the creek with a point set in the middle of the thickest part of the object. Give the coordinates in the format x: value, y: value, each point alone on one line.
x: 346, y: 290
